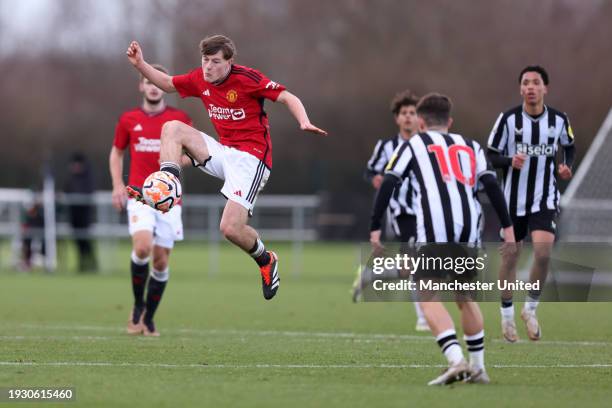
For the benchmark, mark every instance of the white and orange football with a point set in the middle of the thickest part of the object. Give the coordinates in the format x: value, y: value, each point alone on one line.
x: 161, y: 190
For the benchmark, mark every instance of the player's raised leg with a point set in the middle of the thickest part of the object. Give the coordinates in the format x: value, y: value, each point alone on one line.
x: 234, y: 227
x: 177, y: 137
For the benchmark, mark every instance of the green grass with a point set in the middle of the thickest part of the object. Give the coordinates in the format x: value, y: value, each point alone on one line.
x: 223, y: 345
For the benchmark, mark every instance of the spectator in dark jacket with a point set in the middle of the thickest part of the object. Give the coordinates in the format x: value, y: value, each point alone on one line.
x: 80, y: 185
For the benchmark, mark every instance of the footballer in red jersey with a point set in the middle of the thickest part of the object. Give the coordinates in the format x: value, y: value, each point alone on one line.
x: 233, y: 96
x: 152, y: 232
x: 235, y: 107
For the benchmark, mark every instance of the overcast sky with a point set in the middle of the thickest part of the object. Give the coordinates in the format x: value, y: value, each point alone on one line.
x: 32, y: 25
x: 26, y: 25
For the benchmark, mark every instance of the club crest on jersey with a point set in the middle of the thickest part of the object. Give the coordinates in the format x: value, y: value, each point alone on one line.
x: 535, y: 150
x: 232, y: 96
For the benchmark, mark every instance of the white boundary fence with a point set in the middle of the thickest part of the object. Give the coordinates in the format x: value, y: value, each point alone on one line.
x: 277, y: 217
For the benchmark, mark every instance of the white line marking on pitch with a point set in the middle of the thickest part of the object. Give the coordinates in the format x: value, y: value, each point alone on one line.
x: 43, y: 337
x: 259, y: 366
x: 337, y: 335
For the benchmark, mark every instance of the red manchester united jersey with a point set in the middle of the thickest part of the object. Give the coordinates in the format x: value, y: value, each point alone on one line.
x: 141, y: 131
x: 235, y: 107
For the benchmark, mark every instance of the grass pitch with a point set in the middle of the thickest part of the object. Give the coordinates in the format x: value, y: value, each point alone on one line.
x: 223, y: 345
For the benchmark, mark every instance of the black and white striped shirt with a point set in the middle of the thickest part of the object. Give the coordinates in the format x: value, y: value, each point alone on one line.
x: 534, y: 187
x: 401, y: 201
x: 443, y: 170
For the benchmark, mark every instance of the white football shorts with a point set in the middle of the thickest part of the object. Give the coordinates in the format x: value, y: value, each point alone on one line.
x: 244, y: 174
x: 166, y: 227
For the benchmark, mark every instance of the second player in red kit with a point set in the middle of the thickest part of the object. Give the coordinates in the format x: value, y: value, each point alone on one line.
x: 153, y: 233
x: 233, y: 96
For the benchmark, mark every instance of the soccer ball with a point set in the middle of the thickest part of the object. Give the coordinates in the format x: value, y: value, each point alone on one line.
x: 161, y: 190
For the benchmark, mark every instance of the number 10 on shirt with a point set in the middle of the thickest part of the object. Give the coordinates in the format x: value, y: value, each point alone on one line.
x: 455, y: 163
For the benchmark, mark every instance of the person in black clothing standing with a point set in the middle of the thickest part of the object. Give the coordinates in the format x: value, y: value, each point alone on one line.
x: 81, y: 209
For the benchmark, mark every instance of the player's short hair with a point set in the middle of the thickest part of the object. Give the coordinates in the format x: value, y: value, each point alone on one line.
x: 158, y: 67
x: 215, y: 43
x: 435, y: 109
x: 404, y: 98
x: 534, y: 68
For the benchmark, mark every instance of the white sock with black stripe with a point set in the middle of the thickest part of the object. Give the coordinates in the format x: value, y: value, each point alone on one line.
x: 172, y: 168
x: 532, y: 300
x: 259, y: 253
x: 507, y: 309
x: 447, y: 340
x: 475, y: 346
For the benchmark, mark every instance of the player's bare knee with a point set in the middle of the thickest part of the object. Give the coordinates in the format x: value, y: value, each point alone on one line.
x: 541, y: 255
x: 142, y: 251
x: 541, y: 263
x: 160, y: 263
x: 172, y: 130
x: 228, y: 229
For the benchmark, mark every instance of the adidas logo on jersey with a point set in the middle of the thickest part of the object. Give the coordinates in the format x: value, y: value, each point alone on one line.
x: 138, y: 128
x: 206, y: 93
x: 238, y: 193
x: 272, y: 85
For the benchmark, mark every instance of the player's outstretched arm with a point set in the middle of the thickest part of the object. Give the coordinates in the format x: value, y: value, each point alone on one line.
x: 298, y: 111
x: 162, y: 80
